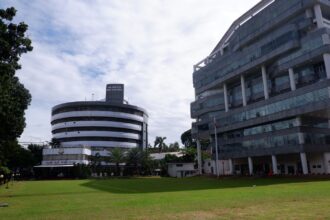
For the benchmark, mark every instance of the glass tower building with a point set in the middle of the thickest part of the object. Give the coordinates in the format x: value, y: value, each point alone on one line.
x: 266, y: 86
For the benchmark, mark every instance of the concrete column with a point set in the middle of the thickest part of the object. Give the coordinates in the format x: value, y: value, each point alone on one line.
x: 231, y: 167
x: 274, y: 165
x: 326, y: 163
x: 318, y: 16
x: 199, y: 157
x: 301, y: 138
x: 326, y: 58
x: 309, y: 13
x: 264, y: 81
x: 304, y: 163
x: 292, y: 81
x: 225, y: 94
x: 250, y: 166
x: 243, y: 90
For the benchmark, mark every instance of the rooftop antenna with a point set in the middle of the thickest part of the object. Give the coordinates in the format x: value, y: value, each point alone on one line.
x: 92, y: 96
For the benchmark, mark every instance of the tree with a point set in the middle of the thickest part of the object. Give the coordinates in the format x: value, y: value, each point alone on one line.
x: 55, y: 143
x: 36, y: 152
x: 14, y: 98
x: 174, y: 147
x: 96, y: 163
x: 117, y: 156
x: 134, y: 157
x: 147, y: 163
x: 159, y: 141
x: 186, y: 139
x: 189, y: 154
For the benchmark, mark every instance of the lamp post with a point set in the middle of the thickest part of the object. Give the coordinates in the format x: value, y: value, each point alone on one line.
x: 216, y: 147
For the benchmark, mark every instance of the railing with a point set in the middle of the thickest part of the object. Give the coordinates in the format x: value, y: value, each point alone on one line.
x: 326, y: 22
x: 240, y: 21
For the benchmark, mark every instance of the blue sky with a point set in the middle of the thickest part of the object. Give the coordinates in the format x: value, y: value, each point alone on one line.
x: 149, y: 45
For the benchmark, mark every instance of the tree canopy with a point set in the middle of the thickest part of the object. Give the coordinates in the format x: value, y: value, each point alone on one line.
x: 14, y: 97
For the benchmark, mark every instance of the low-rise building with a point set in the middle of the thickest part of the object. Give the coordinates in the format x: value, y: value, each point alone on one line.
x: 181, y: 169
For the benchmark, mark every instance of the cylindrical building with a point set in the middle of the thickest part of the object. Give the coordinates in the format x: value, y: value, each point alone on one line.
x: 100, y: 125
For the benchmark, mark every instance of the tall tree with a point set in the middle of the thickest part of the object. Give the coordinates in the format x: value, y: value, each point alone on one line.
x: 134, y: 158
x: 186, y: 139
x: 160, y: 142
x: 117, y: 156
x: 14, y: 98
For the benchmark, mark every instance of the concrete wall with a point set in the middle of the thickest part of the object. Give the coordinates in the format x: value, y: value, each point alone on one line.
x: 180, y: 169
x: 209, y: 167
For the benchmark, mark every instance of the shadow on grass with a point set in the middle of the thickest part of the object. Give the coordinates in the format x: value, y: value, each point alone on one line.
x: 153, y: 185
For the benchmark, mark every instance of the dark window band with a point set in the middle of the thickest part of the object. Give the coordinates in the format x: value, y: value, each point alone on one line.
x: 94, y: 128
x: 117, y: 139
x: 94, y: 118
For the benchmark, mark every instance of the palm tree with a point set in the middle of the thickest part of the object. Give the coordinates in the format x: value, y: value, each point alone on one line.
x: 96, y: 162
x: 147, y: 163
x: 117, y: 156
x: 159, y: 141
x: 134, y: 157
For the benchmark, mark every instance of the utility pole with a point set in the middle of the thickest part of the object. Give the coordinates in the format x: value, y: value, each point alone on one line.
x: 216, y: 147
x: 199, y: 157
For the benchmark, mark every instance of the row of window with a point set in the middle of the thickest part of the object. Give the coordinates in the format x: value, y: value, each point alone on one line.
x: 279, y: 106
x: 212, y: 72
x: 241, y: 59
x: 94, y: 118
x: 268, y: 142
x: 97, y: 108
x: 317, y: 138
x: 94, y: 128
x: 276, y: 126
x: 66, y: 157
x: 276, y: 141
x: 117, y: 139
x: 254, y: 87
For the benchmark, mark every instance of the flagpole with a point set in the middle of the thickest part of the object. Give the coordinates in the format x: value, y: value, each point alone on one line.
x: 216, y: 147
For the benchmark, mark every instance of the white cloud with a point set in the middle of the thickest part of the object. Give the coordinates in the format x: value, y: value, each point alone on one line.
x: 149, y: 45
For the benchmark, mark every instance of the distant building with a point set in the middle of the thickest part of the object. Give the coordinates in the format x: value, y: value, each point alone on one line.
x: 180, y: 170
x: 88, y: 128
x: 160, y: 156
x: 265, y: 86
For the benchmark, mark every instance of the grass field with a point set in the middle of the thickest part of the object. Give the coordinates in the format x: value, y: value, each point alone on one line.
x: 166, y: 198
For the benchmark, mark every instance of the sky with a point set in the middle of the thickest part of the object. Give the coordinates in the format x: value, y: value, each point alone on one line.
x: 149, y: 45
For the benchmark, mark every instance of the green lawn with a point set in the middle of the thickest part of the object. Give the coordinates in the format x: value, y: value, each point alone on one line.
x: 166, y: 198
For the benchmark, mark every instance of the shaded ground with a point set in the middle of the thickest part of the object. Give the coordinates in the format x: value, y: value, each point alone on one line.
x: 166, y: 198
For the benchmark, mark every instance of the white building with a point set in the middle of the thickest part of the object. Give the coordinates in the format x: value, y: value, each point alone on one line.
x: 65, y: 157
x: 180, y: 170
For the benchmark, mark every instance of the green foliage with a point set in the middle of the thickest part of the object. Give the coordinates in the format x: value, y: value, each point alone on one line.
x: 4, y: 170
x: 54, y: 143
x: 186, y: 139
x: 160, y: 143
x: 189, y: 154
x: 81, y: 171
x: 161, y: 146
x: 36, y: 152
x: 19, y: 158
x: 117, y: 156
x: 14, y: 98
x: 96, y: 163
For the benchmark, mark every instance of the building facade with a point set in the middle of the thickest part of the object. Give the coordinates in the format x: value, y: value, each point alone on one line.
x: 266, y: 88
x: 96, y: 127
